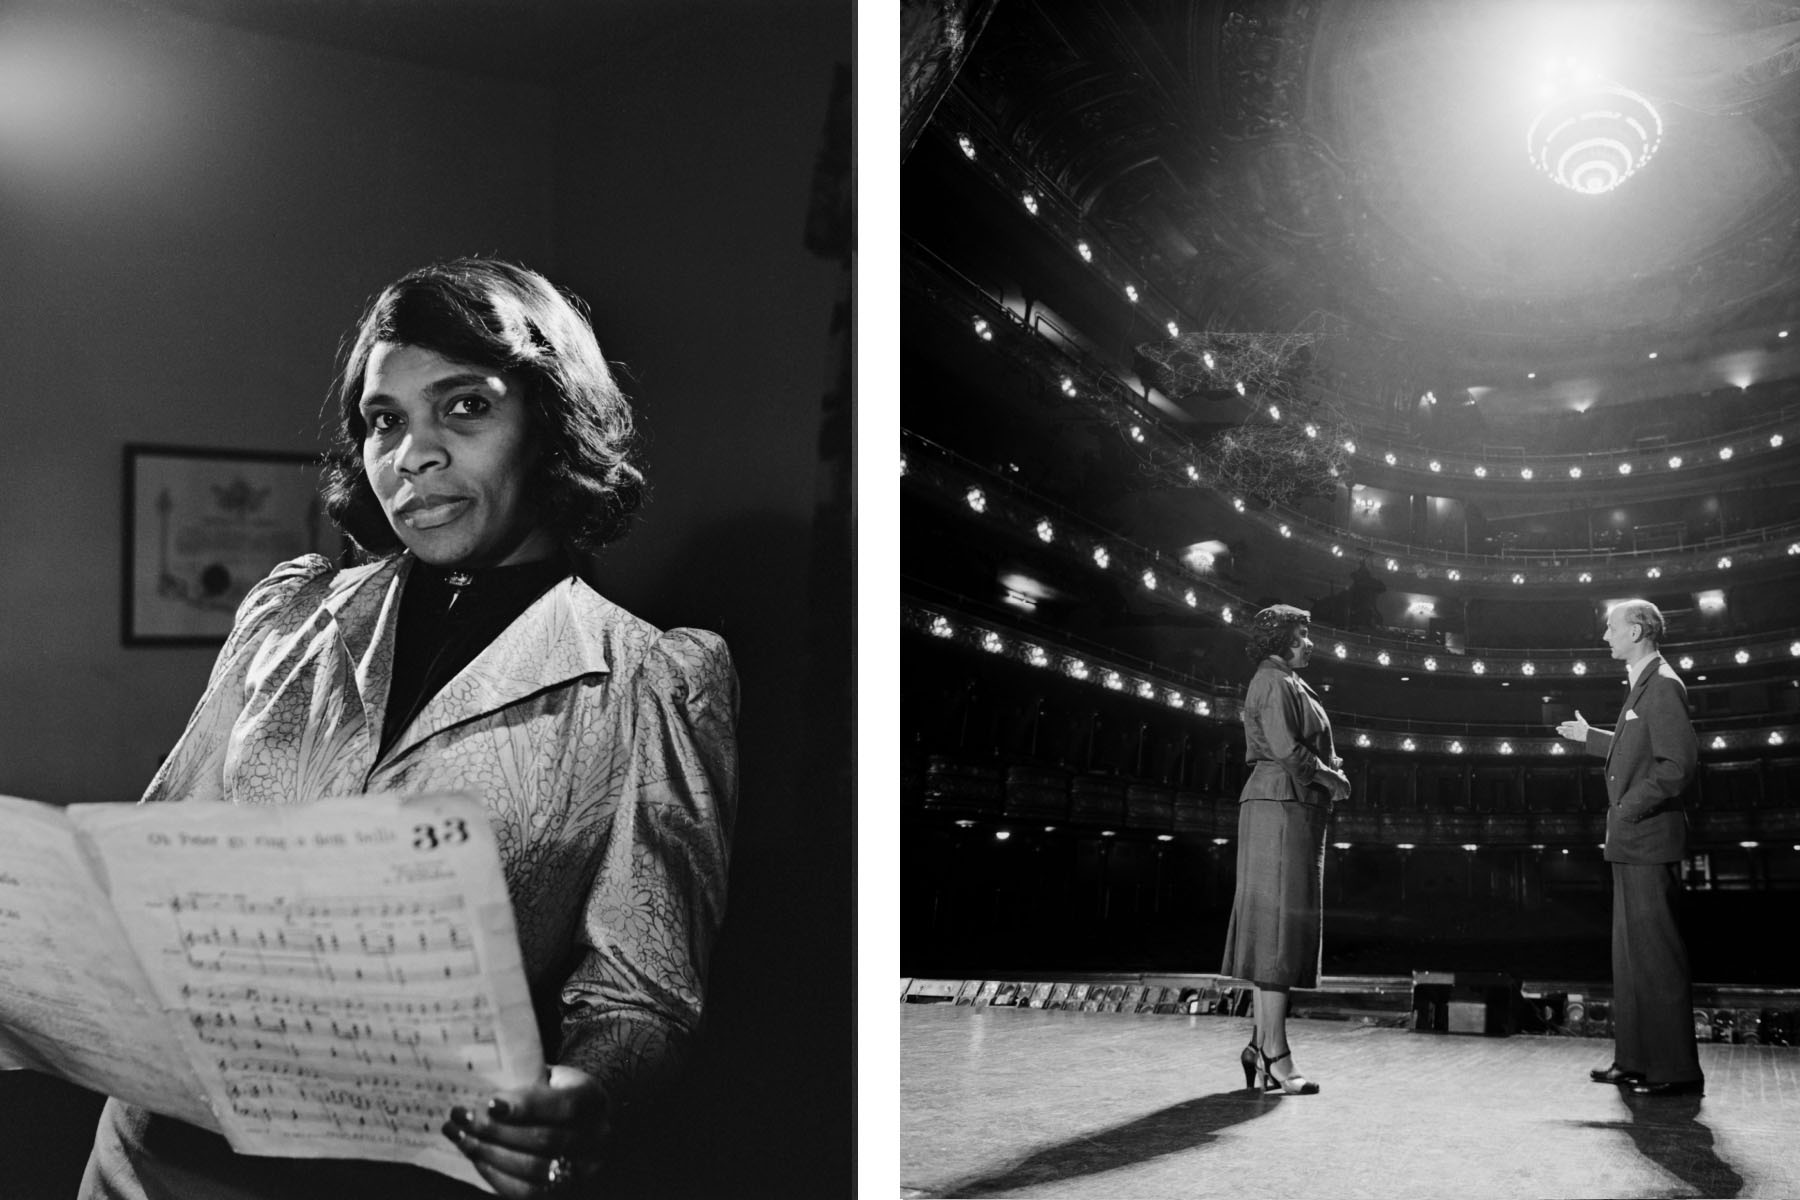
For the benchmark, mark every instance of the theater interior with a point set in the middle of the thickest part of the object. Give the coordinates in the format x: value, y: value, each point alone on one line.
x: 1451, y: 323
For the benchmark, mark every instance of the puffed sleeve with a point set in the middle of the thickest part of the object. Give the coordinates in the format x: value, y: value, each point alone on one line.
x: 195, y: 768
x: 635, y: 998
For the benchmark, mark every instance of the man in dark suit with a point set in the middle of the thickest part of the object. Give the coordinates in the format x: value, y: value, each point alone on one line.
x: 1650, y: 759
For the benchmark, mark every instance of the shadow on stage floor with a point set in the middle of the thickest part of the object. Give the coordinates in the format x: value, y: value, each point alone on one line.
x: 1670, y: 1133
x: 1047, y: 1103
x: 1175, y: 1129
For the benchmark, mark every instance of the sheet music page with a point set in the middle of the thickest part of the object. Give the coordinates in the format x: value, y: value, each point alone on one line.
x: 341, y: 973
x: 72, y: 1000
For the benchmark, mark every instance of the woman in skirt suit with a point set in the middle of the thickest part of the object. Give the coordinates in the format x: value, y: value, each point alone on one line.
x: 1283, y: 809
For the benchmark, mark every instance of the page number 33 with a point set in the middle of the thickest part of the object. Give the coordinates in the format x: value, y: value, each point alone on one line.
x: 447, y: 832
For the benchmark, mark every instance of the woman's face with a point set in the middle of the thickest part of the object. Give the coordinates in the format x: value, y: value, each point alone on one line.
x: 1300, y: 649
x: 448, y: 450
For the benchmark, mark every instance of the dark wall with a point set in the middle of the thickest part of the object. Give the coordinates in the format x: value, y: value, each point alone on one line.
x: 685, y: 178
x: 191, y: 217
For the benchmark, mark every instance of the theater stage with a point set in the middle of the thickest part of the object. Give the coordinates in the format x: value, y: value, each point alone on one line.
x: 1024, y: 1102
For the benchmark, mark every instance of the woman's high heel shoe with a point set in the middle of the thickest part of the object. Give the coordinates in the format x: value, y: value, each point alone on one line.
x: 1248, y: 1061
x: 1295, y: 1084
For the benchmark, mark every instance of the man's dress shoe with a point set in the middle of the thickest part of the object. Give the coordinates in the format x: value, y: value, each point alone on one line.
x: 1684, y: 1087
x: 1614, y: 1075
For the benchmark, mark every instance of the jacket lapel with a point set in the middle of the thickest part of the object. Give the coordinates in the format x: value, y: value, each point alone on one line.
x: 557, y: 639
x: 1651, y: 666
x: 1316, y: 713
x: 364, y: 605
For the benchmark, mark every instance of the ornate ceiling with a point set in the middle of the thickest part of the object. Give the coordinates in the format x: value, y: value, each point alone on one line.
x: 1365, y: 160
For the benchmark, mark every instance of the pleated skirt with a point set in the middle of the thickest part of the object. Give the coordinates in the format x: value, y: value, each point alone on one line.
x: 1276, y: 916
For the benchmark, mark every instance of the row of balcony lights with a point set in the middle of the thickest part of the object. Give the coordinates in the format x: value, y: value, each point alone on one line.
x: 985, y: 331
x: 976, y: 498
x: 1029, y: 199
x: 1480, y: 471
x: 1374, y: 506
x: 1003, y: 835
x: 1079, y: 669
x: 1723, y: 563
x: 1086, y: 252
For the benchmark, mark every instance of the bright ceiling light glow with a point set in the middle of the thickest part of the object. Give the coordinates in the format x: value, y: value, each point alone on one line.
x: 1201, y: 556
x: 1593, y: 140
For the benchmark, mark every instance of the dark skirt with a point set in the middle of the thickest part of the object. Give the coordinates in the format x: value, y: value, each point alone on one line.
x: 1276, y: 917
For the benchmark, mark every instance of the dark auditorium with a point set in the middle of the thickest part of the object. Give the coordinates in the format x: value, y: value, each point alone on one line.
x: 1349, y: 481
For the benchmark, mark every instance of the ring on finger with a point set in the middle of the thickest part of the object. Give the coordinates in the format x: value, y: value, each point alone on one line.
x: 561, y: 1172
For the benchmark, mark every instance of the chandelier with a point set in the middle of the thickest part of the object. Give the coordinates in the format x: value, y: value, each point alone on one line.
x: 1593, y: 140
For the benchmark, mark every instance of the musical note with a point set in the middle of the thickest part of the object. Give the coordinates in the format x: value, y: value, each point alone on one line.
x: 336, y: 990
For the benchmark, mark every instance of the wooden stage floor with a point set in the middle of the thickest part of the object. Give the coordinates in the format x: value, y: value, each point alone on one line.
x: 1011, y: 1102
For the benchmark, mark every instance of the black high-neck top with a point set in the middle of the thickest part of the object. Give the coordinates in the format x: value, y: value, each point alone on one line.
x: 443, y: 626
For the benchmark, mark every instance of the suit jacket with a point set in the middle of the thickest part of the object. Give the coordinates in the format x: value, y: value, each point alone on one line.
x: 1286, y: 735
x: 1650, y: 760
x: 604, y: 750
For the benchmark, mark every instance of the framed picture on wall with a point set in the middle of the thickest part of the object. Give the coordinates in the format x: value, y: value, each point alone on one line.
x: 202, y: 526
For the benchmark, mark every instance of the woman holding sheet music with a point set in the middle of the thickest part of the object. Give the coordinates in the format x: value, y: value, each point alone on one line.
x: 481, y: 443
x: 1295, y: 776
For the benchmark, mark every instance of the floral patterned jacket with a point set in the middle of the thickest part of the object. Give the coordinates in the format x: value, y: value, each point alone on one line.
x: 604, y: 749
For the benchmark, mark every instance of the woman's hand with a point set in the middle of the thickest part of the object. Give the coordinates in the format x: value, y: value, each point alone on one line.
x: 1338, y: 782
x: 539, y: 1140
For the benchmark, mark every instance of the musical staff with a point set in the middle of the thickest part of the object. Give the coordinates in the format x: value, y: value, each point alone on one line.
x: 322, y: 979
x: 289, y: 960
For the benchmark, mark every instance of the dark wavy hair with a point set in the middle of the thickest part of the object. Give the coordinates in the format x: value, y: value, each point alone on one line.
x: 1271, y: 631
x: 505, y: 318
